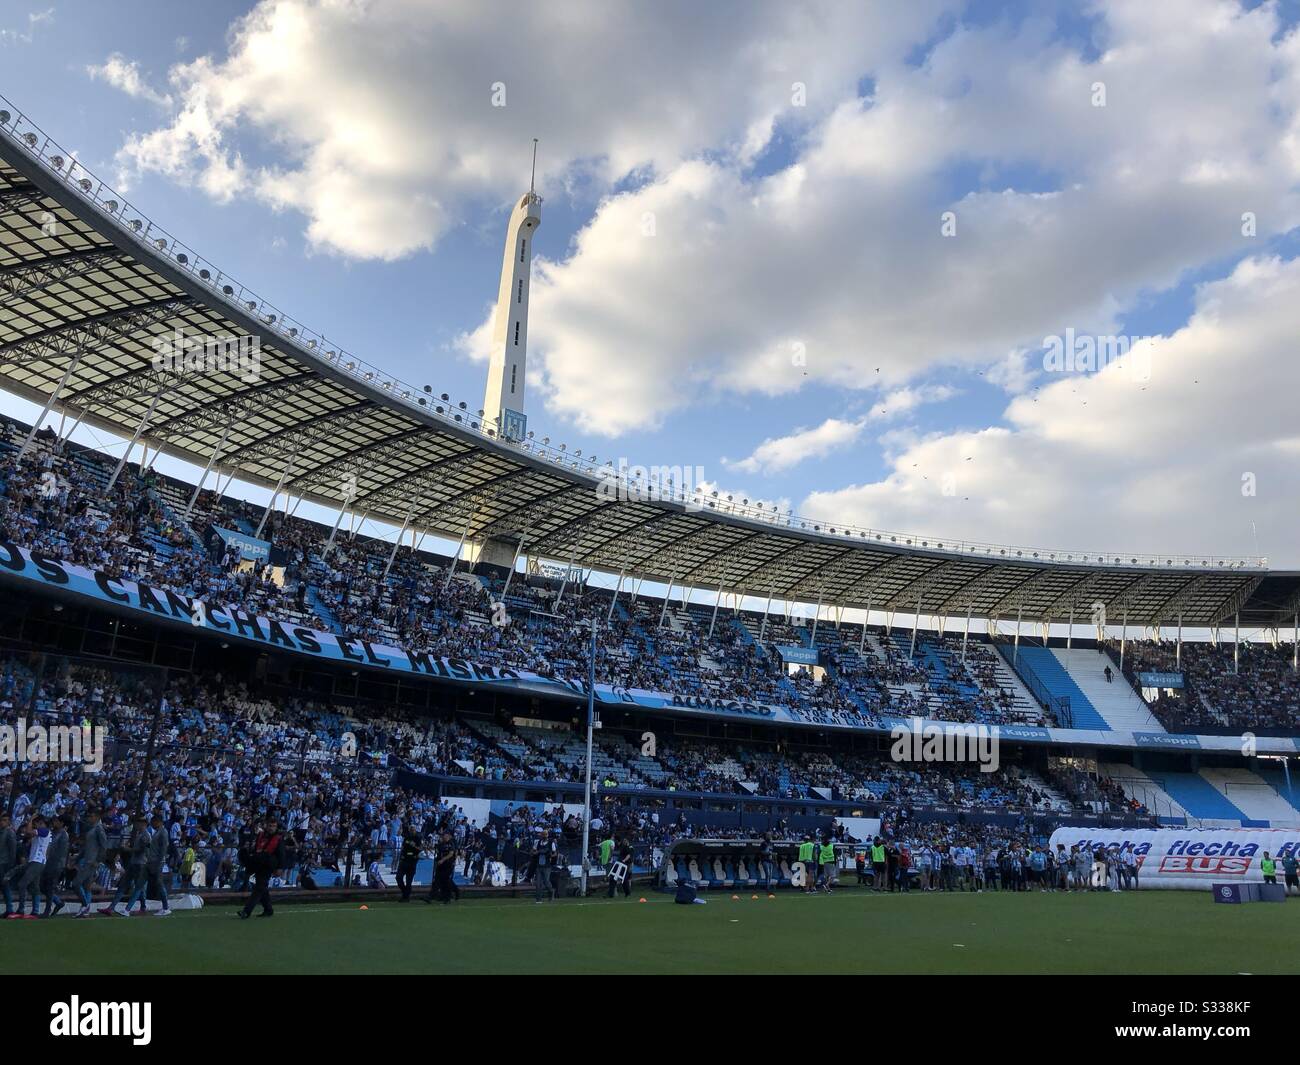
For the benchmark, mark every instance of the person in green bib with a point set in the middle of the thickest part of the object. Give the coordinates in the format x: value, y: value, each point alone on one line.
x: 1269, y: 867
x: 877, y: 865
x: 809, y: 866
x: 606, y: 853
x: 826, y: 858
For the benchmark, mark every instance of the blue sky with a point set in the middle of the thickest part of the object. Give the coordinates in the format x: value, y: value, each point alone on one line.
x: 342, y: 160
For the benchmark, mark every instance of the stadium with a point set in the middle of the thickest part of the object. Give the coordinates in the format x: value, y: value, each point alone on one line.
x: 551, y: 697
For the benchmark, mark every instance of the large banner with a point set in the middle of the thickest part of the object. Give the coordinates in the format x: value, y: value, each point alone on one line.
x: 1192, y: 858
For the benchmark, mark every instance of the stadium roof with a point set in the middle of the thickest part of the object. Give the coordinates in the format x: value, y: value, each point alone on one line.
x: 88, y: 284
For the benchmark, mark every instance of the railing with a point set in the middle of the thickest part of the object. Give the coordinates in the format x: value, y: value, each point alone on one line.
x: 1057, y: 705
x: 18, y: 130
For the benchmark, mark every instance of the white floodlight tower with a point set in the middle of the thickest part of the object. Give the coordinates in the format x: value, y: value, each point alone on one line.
x: 503, y: 400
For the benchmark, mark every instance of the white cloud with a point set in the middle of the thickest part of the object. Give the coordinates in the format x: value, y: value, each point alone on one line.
x: 776, y: 454
x: 1102, y: 462
x: 835, y: 271
x: 124, y: 75
x: 382, y: 111
x: 35, y: 20
x: 782, y: 452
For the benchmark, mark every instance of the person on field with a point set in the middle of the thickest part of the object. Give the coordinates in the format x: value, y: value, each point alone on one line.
x: 625, y: 859
x: 1291, y: 873
x: 28, y: 877
x: 878, y: 865
x: 1269, y: 868
x: 94, y: 848
x: 809, y: 865
x: 56, y: 864
x: 408, y: 859
x: 826, y: 860
x: 8, y: 859
x: 155, y: 859
x: 262, y: 860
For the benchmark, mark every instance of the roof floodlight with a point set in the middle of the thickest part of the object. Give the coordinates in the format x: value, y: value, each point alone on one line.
x: 5, y: 116
x: 30, y: 139
x: 136, y: 224
x: 461, y: 404
x: 56, y: 161
x: 428, y: 388
x: 226, y: 290
x: 422, y: 401
x: 111, y: 206
x: 182, y: 258
x: 444, y: 397
x: 160, y: 243
x: 86, y: 184
x: 293, y: 332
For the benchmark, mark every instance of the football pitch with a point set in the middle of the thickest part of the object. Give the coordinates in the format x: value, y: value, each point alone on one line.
x: 851, y: 931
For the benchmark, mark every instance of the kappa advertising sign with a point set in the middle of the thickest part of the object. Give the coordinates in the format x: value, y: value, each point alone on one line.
x: 1191, y: 858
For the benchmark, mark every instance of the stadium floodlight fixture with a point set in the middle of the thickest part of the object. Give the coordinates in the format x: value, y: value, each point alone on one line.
x: 182, y: 258
x: 86, y: 184
x: 5, y: 116
x: 56, y: 161
x: 226, y: 290
x: 111, y: 206
x: 30, y: 139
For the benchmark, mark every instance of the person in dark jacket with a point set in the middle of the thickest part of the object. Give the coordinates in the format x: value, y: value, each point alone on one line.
x: 8, y: 859
x: 408, y: 860
x: 155, y: 858
x: 136, y: 856
x: 56, y: 864
x: 94, y: 846
x: 261, y: 861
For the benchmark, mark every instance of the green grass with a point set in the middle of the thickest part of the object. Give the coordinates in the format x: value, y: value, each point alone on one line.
x: 849, y: 932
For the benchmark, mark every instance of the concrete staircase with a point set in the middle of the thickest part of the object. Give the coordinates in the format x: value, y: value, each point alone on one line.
x: 1116, y: 701
x: 1253, y: 796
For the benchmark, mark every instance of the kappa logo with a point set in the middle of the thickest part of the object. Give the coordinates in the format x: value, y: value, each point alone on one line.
x: 77, y: 1018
